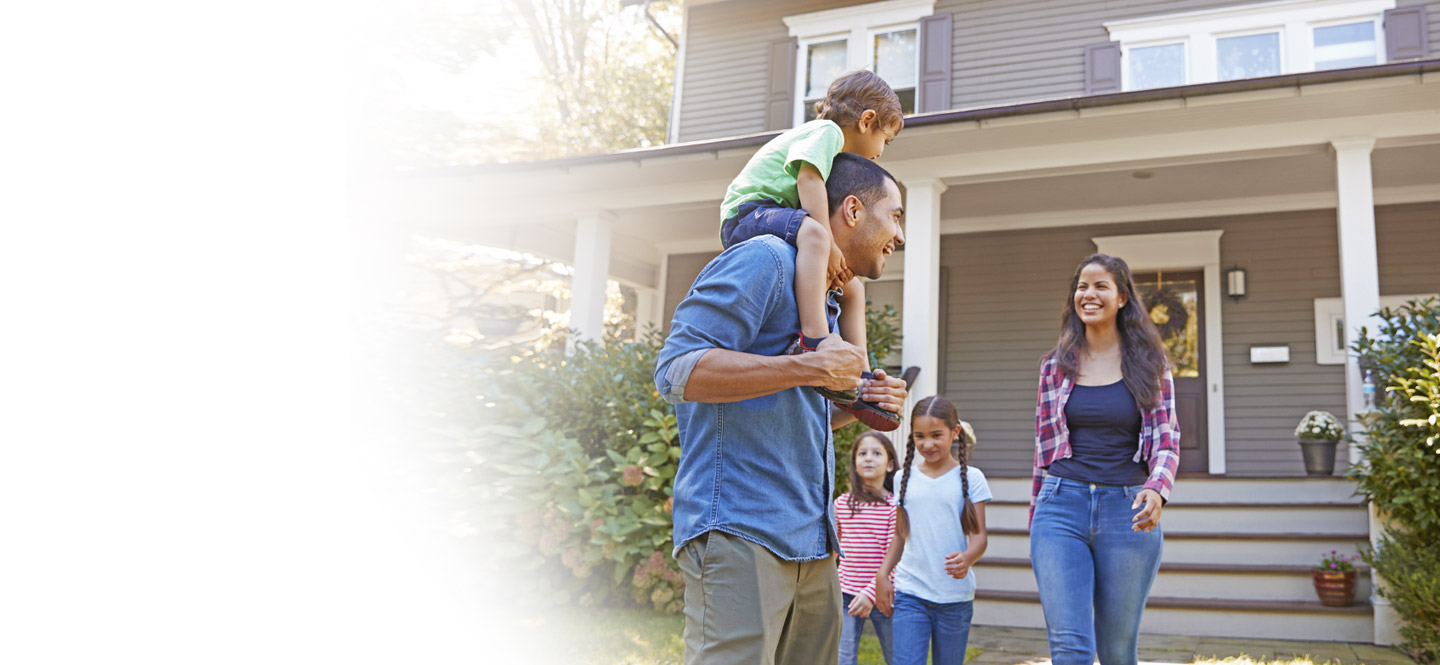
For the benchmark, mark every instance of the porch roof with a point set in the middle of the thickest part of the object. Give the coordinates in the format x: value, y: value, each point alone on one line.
x: 1411, y: 68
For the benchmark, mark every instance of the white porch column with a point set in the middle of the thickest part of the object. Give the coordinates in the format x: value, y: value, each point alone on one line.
x: 920, y: 325
x: 1359, y: 268
x: 592, y: 270
x: 1360, y: 291
x: 647, y: 310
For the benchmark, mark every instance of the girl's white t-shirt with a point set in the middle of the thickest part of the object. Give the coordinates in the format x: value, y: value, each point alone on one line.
x: 933, y: 508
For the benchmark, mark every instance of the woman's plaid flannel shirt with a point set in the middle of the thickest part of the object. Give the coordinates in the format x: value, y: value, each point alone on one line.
x: 1159, y: 443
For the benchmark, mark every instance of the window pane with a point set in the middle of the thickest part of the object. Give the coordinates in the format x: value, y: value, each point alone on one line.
x: 1247, y: 57
x: 1175, y: 309
x: 907, y: 100
x: 896, y: 59
x: 810, y: 109
x: 1157, y: 66
x: 1351, y: 45
x: 823, y: 64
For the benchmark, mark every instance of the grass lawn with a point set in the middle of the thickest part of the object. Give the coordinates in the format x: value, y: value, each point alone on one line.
x: 620, y: 637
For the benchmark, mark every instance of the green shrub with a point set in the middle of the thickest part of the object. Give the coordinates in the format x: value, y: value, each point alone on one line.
x: 882, y: 336
x: 1410, y: 565
x: 1400, y: 464
x: 583, y: 466
x: 587, y: 477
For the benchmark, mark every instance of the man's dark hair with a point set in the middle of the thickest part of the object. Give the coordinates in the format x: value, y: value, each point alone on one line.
x: 851, y: 174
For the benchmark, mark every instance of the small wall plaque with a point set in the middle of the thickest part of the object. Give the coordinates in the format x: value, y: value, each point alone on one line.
x: 1270, y: 354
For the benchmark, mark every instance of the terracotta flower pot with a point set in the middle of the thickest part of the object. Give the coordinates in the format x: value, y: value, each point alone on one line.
x: 1335, y: 587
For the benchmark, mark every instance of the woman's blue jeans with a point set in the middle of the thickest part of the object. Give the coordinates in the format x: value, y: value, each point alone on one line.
x: 850, y: 628
x: 921, y: 625
x: 1093, y: 570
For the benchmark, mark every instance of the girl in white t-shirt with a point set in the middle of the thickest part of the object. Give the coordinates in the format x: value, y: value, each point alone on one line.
x: 941, y: 534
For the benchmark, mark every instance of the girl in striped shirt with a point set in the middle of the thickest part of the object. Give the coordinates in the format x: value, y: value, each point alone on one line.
x: 865, y: 518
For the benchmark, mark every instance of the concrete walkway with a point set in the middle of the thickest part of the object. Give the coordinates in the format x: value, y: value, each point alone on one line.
x: 1017, y: 646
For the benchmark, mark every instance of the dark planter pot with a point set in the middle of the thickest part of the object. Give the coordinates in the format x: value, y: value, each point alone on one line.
x: 1336, y: 588
x: 1319, y: 457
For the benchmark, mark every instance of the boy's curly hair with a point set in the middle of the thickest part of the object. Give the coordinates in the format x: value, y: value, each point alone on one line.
x: 852, y: 94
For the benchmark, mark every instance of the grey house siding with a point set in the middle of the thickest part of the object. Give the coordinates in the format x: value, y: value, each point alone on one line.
x: 680, y: 273
x: 1407, y: 245
x: 727, y: 64
x: 1007, y: 290
x: 1001, y: 54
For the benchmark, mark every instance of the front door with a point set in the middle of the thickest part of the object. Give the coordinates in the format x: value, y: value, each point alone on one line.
x: 1176, y: 302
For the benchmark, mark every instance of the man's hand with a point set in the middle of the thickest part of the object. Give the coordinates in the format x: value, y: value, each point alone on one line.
x: 859, y: 607
x: 887, y: 392
x: 957, y: 565
x: 836, y: 269
x: 841, y: 361
x: 884, y: 595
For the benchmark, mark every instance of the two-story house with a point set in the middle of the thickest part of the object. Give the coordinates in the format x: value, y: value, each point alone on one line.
x: 1271, y: 170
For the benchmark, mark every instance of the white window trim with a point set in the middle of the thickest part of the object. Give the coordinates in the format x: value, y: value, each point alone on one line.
x: 858, y: 25
x: 1295, y: 20
x: 1329, y: 311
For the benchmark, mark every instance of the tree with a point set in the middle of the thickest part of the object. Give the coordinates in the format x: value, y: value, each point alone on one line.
x: 453, y: 83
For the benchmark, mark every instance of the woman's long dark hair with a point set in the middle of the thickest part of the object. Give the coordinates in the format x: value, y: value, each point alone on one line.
x: 859, y: 491
x: 937, y: 406
x: 1142, y: 353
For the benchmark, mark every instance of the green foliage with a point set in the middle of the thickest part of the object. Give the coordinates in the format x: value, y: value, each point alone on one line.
x: 882, y: 336
x: 1410, y: 564
x: 1400, y: 464
x: 587, y: 484
x: 1400, y: 469
x: 584, y: 465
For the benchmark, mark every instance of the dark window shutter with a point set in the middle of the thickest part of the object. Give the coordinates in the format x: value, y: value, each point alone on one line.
x: 1405, y: 34
x: 780, y: 93
x: 936, y: 36
x: 1102, y: 68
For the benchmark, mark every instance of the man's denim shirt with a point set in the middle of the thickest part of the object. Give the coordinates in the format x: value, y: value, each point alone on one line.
x: 760, y: 469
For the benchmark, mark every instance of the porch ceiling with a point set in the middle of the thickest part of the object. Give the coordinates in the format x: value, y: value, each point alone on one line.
x: 1294, y: 178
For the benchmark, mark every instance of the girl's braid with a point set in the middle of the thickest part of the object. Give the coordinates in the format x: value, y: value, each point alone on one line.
x: 904, y: 521
x: 969, y: 521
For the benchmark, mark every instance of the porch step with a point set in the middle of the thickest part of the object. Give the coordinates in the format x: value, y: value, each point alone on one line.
x: 1223, y: 548
x: 1220, y: 489
x: 1237, y: 517
x: 1203, y: 617
x: 1238, y: 582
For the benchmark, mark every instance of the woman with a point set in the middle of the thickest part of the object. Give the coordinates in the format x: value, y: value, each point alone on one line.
x: 1106, y: 449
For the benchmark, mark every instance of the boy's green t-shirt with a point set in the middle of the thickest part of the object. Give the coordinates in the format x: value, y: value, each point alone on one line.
x: 772, y: 172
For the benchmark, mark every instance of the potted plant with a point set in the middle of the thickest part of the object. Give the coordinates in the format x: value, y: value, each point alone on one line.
x: 1318, y: 433
x: 1335, y: 579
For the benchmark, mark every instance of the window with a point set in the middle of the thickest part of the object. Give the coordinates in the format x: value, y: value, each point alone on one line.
x: 1249, y: 41
x: 883, y: 37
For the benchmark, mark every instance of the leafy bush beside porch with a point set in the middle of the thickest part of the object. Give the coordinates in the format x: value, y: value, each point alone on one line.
x: 1400, y: 469
x: 583, y: 466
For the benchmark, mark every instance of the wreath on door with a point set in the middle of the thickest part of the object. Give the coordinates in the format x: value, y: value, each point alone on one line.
x: 1167, y: 311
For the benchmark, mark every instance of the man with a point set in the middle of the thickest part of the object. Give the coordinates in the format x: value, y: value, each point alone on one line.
x: 754, y: 530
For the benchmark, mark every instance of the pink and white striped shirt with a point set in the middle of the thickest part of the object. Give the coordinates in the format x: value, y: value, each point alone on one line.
x: 864, y: 537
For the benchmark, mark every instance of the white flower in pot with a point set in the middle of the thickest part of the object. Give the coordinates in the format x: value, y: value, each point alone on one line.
x: 1319, y: 432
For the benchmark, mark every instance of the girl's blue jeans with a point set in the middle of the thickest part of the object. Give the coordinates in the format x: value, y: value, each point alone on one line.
x: 921, y: 625
x: 850, y: 628
x: 1094, y: 572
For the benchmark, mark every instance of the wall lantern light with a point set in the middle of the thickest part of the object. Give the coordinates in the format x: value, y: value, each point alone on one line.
x: 1235, y: 283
